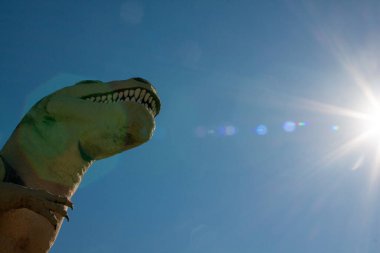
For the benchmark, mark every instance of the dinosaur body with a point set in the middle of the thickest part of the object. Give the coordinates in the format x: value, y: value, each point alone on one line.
x: 54, y: 145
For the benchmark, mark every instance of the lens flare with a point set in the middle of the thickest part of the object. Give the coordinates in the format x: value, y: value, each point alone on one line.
x: 261, y: 130
x: 200, y: 131
x: 302, y: 124
x: 289, y: 126
x: 227, y: 130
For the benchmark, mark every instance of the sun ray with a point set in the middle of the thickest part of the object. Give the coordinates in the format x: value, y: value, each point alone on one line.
x: 345, y: 148
x: 363, y: 84
x: 350, y: 64
x: 330, y: 109
x: 374, y: 174
x: 358, y: 163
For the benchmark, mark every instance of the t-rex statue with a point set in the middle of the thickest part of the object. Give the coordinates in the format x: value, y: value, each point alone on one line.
x: 42, y: 163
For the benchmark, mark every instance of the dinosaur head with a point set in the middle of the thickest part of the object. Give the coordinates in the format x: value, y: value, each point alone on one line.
x: 101, y: 119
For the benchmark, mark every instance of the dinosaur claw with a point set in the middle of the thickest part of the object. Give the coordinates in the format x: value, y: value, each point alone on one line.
x: 71, y: 205
x: 67, y: 218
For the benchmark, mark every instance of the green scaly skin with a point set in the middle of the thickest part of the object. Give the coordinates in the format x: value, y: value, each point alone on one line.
x: 53, y: 146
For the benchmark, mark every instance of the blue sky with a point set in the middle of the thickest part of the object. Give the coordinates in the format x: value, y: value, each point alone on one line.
x: 207, y: 182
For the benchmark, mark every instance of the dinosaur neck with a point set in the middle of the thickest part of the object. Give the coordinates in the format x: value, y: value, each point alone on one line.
x: 10, y: 175
x: 43, y: 164
x: 2, y: 170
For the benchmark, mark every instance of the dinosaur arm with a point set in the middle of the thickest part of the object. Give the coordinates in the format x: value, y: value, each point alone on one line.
x: 13, y: 196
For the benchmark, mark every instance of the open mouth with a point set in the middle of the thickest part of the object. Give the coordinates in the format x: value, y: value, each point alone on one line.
x: 138, y: 95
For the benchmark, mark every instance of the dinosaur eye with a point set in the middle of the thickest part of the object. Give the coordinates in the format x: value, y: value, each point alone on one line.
x: 48, y: 120
x: 139, y: 79
x: 88, y: 81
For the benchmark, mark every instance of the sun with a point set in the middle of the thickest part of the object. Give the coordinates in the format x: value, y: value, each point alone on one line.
x: 363, y: 129
x: 372, y: 123
x: 361, y: 139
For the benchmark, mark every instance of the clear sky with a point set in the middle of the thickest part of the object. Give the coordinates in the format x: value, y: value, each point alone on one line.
x: 256, y: 148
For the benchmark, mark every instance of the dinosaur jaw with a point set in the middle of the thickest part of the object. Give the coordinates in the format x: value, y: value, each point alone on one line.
x: 143, y: 96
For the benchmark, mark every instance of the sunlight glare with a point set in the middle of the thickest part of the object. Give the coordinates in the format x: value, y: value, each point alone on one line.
x: 372, y: 124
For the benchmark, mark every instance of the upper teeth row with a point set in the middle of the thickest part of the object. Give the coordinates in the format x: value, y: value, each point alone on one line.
x: 138, y: 95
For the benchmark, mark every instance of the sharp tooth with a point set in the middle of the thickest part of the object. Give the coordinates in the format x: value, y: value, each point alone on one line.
x: 92, y: 98
x: 121, y: 94
x: 109, y: 97
x: 154, y: 104
x: 131, y: 93
x: 146, y: 97
x: 127, y: 99
x: 104, y: 98
x: 126, y: 93
x: 115, y: 95
x: 146, y: 106
x: 142, y: 94
x: 133, y: 99
x: 97, y: 99
x: 137, y: 93
x: 150, y: 99
x: 139, y: 100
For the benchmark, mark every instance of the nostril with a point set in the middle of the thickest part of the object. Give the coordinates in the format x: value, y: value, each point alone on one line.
x: 139, y: 79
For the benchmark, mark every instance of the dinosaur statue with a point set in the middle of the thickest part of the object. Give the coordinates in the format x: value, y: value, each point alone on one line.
x: 45, y: 158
